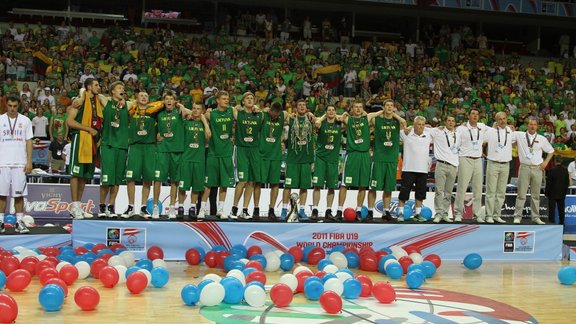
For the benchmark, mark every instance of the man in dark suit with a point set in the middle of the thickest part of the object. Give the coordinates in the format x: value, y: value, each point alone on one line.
x: 557, y: 183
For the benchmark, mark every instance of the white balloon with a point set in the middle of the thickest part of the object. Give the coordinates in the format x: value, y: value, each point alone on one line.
x: 212, y: 276
x: 278, y: 253
x: 212, y: 294
x: 244, y: 261
x: 121, y: 273
x: 83, y: 269
x: 61, y: 264
x: 343, y: 276
x: 19, y: 248
x: 335, y: 285
x: 289, y: 280
x: 116, y: 260
x: 28, y: 221
x: 239, y: 277
x: 387, y: 262
x: 416, y: 257
x: 148, y: 275
x: 398, y: 252
x: 339, y: 259
x: 159, y: 263
x: 300, y: 269
x: 330, y: 268
x: 128, y: 257
x: 27, y: 253
x: 20, y: 257
x: 254, y: 295
x: 49, y: 225
x: 41, y: 257
x: 272, y: 262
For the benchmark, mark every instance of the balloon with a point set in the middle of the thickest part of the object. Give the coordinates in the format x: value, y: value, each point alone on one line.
x: 394, y: 271
x: 338, y: 259
x: 416, y: 257
x: 61, y: 265
x: 87, y: 298
x: 238, y: 275
x: 256, y: 276
x: 366, y: 285
x: 335, y: 285
x: 297, y: 253
x: 147, y: 274
x: 302, y: 276
x: 352, y: 288
x: 384, y: 292
x: 51, y: 297
x: 254, y: 249
x: 190, y: 295
x: 330, y: 268
x: 59, y: 282
x: 239, y: 250
x: 193, y: 257
x: 83, y: 269
x: 130, y: 271
x: 368, y: 262
x: 426, y: 212
x: 233, y: 290
x: 2, y: 280
x: 128, y: 257
x: 429, y: 268
x: 281, y: 295
x: 136, y: 282
x: 116, y: 260
x: 117, y: 246
x: 145, y: 264
x: 159, y: 263
x: 18, y: 280
x: 96, y: 267
x: 352, y: 259
x: 407, y: 212
x: 155, y: 252
x: 323, y: 263
x: 313, y: 289
x: 210, y: 259
x: 9, y: 264
x: 51, y: 251
x: 473, y: 261
x: 434, y: 259
x: 121, y: 273
x: 416, y: 267
x: 10, y: 219
x: 109, y: 276
x: 299, y: 269
x: 286, y: 261
x: 415, y: 279
x: 212, y: 276
x: 8, y: 309
x: 272, y: 262
x: 255, y: 296
x: 349, y: 214
x: 290, y: 280
x: 331, y: 302
x: 29, y: 264
x: 405, y: 262
x: 343, y: 276
x: 46, y: 274
x: 255, y: 265
x: 98, y: 247
x: 203, y: 284
x: 567, y: 275
x: 212, y: 294
x: 363, y: 212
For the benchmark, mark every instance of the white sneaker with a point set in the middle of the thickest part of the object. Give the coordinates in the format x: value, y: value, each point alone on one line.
x: 76, y: 213
x: 103, y: 214
x: 437, y: 219
x: 220, y: 214
x: 489, y: 220
x: 21, y: 228
x: 245, y: 216
x: 400, y: 218
x: 517, y: 220
x: 538, y: 221
x: 171, y: 213
x: 111, y: 212
x: 156, y: 212
x: 2, y: 229
x: 201, y: 215
x: 86, y: 214
x: 480, y: 220
x: 447, y: 219
x: 458, y: 219
x: 499, y: 220
x: 128, y: 213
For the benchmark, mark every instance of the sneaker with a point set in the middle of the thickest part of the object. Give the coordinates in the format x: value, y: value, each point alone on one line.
x: 2, y: 229
x: 283, y: 214
x: 358, y: 216
x: 538, y: 221
x: 314, y: 216
x: 156, y: 212
x: 272, y: 215
x: 112, y: 212
x: 103, y: 213
x: 387, y: 217
x: 437, y: 219
x: 76, y: 213
x: 86, y: 214
x: 192, y: 212
x: 400, y: 218
x: 499, y: 220
x: 302, y: 214
x: 338, y: 216
x: 369, y: 217
x: 234, y: 212
x: 220, y: 214
x: 328, y: 215
x: 517, y: 220
x: 201, y: 215
x: 256, y: 213
x: 447, y: 219
x: 490, y: 220
x: 129, y: 212
x: 144, y: 212
x: 245, y: 215
x: 480, y: 220
x: 419, y: 218
x: 21, y: 228
x: 458, y: 219
x: 180, y: 212
x: 171, y: 212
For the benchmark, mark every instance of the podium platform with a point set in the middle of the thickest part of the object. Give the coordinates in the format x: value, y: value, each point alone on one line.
x: 38, y: 236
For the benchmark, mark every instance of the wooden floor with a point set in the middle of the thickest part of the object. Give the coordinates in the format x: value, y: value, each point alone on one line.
x: 529, y: 286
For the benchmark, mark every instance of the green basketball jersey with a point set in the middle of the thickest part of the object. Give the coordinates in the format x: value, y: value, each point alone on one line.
x: 329, y: 141
x: 248, y: 127
x: 271, y: 138
x: 386, y: 139
x: 115, y: 129
x: 221, y: 123
x: 194, y: 141
x: 300, y: 145
x: 358, y: 134
x: 142, y: 128
x: 171, y: 129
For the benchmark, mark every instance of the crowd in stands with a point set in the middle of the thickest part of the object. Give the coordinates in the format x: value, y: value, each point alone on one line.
x: 449, y: 71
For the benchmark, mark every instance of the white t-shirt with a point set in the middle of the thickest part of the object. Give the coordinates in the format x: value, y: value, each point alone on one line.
x: 416, y: 156
x: 572, y: 170
x: 40, y: 124
x: 14, y: 132
x: 66, y: 152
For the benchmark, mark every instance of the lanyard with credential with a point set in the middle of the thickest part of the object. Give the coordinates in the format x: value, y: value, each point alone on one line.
x: 477, y: 135
x: 530, y: 145
x: 448, y: 140
x: 505, y: 136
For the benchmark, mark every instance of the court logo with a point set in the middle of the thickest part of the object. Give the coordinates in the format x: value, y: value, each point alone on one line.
x: 133, y: 238
x: 519, y: 241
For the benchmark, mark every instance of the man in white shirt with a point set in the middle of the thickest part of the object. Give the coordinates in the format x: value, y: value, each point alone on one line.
x: 532, y: 165
x: 499, y: 140
x: 446, y: 145
x: 471, y: 137
x: 415, y: 166
x: 572, y: 172
x: 15, y: 160
x: 40, y: 125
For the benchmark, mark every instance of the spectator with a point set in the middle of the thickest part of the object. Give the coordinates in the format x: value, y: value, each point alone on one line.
x: 56, y: 148
x: 40, y: 126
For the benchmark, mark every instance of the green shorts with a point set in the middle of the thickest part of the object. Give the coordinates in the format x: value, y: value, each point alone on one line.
x: 219, y: 172
x: 383, y: 176
x: 167, y: 166
x: 192, y: 176
x: 248, y: 164
x: 141, y: 162
x: 113, y: 165
x: 325, y: 172
x: 271, y: 171
x: 356, y: 169
x: 77, y: 169
x: 298, y: 176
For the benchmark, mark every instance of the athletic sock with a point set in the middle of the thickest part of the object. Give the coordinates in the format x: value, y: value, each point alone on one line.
x: 19, y: 216
x: 340, y: 208
x: 1, y: 217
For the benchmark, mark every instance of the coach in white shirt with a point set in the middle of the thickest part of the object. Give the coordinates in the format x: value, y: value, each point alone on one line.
x: 446, y: 145
x: 15, y: 160
x: 499, y: 141
x: 415, y: 166
x: 471, y: 137
x: 532, y: 165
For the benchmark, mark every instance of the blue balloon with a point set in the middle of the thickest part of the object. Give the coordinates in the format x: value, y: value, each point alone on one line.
x: 394, y: 271
x: 89, y: 257
x: 246, y: 271
x: 66, y: 248
x: 415, y: 266
x: 201, y: 251
x: 312, y: 278
x: 218, y: 248
x: 233, y: 290
x: 51, y: 297
x: 238, y: 265
x: 473, y: 261
x: 382, y: 261
x: 429, y: 268
x: 323, y: 263
x: 414, y: 279
x: 228, y: 261
x: 89, y: 246
x: 566, y: 275
x: 352, y: 288
x: 387, y: 250
x: 131, y: 270
x: 14, y: 252
x: 104, y: 251
x: 239, y: 250
x: 203, y: 284
x: 353, y: 259
x: 150, y: 206
x: 260, y: 258
x: 160, y: 277
x: 2, y: 280
x: 145, y: 264
x: 426, y: 213
x: 313, y: 289
x: 338, y: 248
x: 10, y: 219
x: 328, y: 276
x: 286, y: 261
x: 305, y: 252
x: 363, y: 212
x: 407, y: 212
x: 190, y: 295
x: 257, y: 283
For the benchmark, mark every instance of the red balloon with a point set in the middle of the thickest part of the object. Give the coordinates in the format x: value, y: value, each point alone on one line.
x: 320, y: 274
x: 331, y: 302
x: 51, y: 251
x: 254, y: 249
x: 405, y: 262
x: 59, y: 282
x: 384, y: 292
x: 368, y: 262
x: 302, y: 276
x: 155, y: 252
x: 109, y: 276
x: 9, y: 264
x: 366, y: 285
x: 69, y: 274
x: 254, y: 264
x: 29, y: 264
x: 281, y: 295
x: 87, y: 298
x: 256, y: 276
x: 100, y: 246
x: 41, y: 265
x: 8, y: 309
x: 18, y: 280
x: 412, y: 249
x: 297, y: 253
x: 117, y: 246
x: 46, y: 274
x: 136, y: 282
x: 210, y: 259
x: 315, y: 255
x: 193, y: 256
x: 380, y: 254
x: 96, y: 266
x: 366, y: 249
x: 79, y: 250
x: 220, y: 256
x: 349, y: 214
x: 53, y: 261
x: 434, y: 259
x: 351, y: 249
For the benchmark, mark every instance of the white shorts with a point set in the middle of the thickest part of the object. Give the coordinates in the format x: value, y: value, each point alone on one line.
x: 13, y: 182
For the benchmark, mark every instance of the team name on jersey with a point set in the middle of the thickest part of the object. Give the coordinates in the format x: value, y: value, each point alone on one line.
x: 195, y: 128
x: 17, y: 132
x: 273, y: 123
x: 223, y: 119
x: 165, y: 118
x: 249, y: 122
x: 388, y: 127
x: 332, y: 131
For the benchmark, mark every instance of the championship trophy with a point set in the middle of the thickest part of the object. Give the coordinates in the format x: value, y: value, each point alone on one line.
x: 293, y: 212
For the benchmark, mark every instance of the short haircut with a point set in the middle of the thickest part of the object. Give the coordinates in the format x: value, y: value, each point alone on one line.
x: 389, y: 100
x: 13, y: 98
x: 115, y: 84
x: 300, y: 100
x: 222, y: 93
x: 472, y: 109
x: 169, y: 93
x: 276, y: 106
x: 420, y: 118
x: 88, y: 82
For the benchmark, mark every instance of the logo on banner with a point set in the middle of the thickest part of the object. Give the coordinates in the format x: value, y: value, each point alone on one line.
x: 519, y: 241
x: 134, y: 239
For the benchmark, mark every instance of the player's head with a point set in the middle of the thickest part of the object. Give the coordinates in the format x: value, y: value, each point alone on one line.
x: 169, y: 99
x: 331, y: 111
x: 248, y: 99
x: 117, y: 90
x: 275, y: 110
x: 12, y: 104
x: 142, y: 98
x: 197, y: 109
x: 357, y: 108
x: 389, y: 106
x: 301, y: 108
x: 91, y: 85
x: 222, y: 99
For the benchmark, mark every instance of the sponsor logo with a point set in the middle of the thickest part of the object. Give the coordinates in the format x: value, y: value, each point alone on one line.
x: 56, y: 205
x: 519, y: 241
x: 133, y: 238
